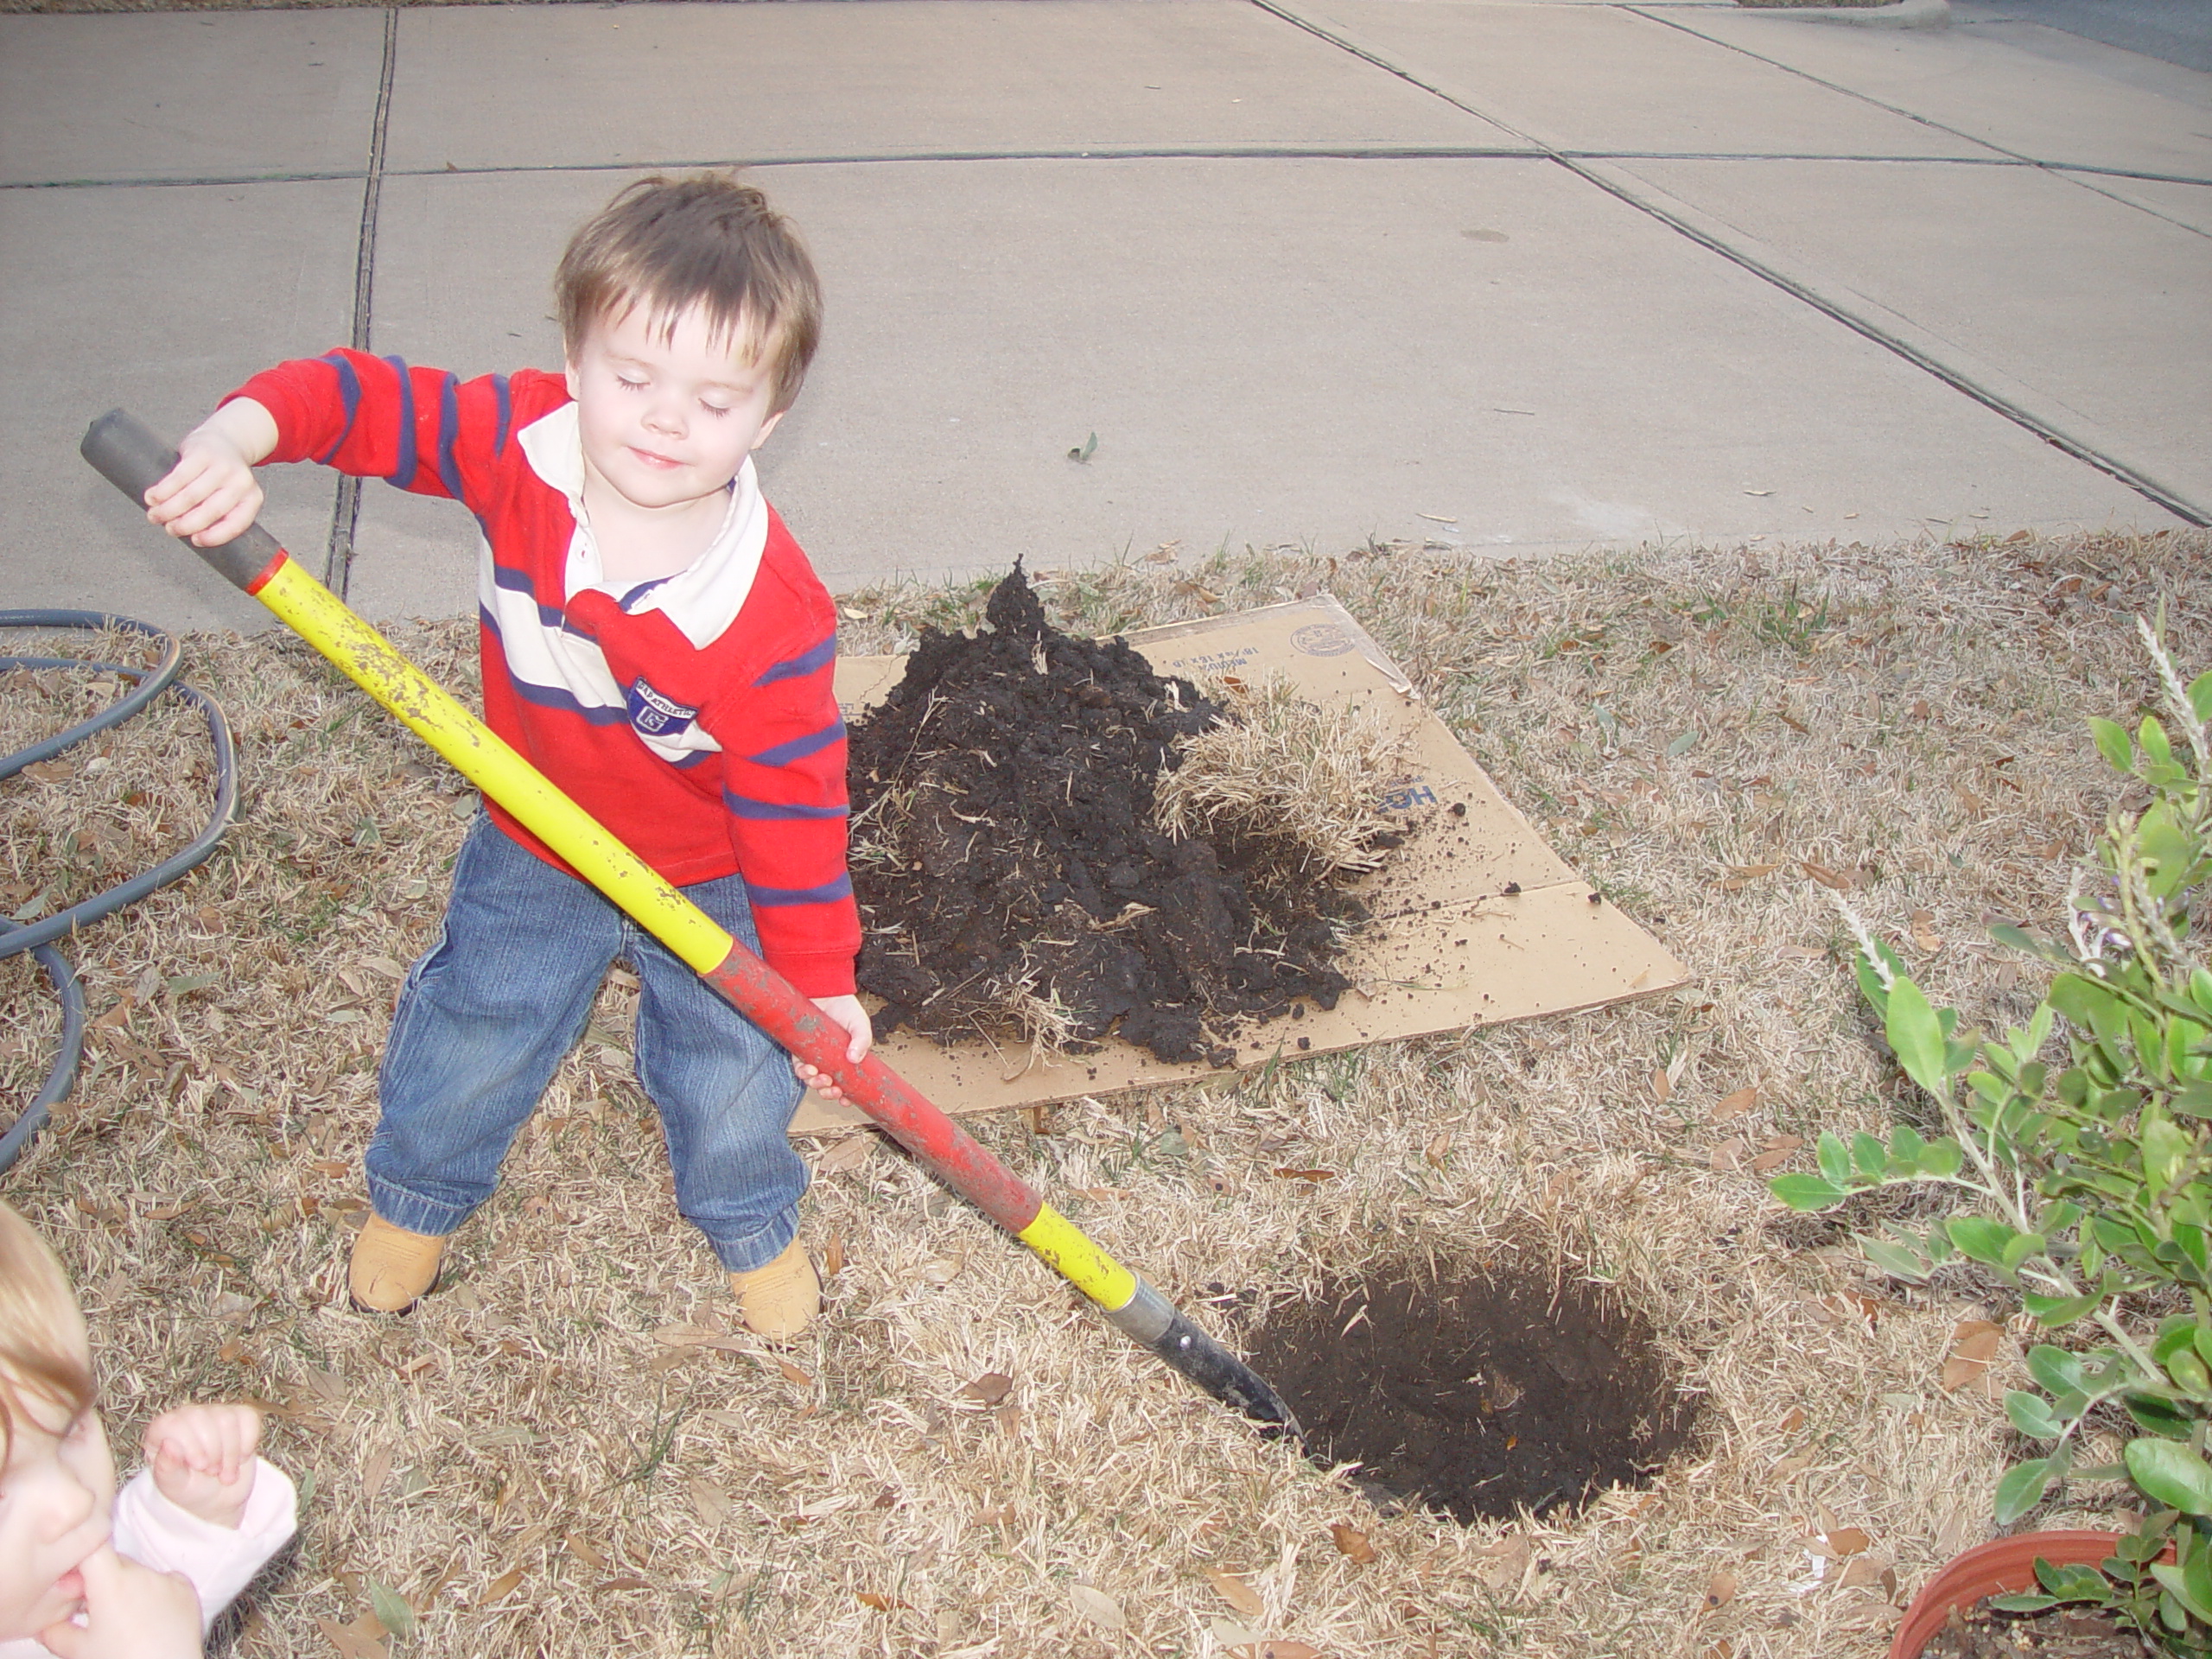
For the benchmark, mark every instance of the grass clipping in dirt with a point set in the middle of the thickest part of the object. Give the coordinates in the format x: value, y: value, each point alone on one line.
x: 572, y: 1449
x: 1051, y: 839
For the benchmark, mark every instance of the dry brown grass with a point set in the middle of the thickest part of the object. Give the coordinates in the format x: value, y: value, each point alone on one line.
x: 1283, y: 769
x: 566, y: 1452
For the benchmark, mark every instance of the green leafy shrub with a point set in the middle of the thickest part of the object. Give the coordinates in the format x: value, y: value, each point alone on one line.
x: 2088, y: 1182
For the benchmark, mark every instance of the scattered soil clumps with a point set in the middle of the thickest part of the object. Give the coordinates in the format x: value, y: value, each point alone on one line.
x: 1011, y: 873
x: 1478, y: 1395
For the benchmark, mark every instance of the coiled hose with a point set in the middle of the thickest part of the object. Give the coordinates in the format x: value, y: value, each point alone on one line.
x: 38, y: 937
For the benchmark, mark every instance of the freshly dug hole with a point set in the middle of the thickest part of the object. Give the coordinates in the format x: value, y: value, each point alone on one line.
x: 1482, y: 1394
x: 1015, y: 875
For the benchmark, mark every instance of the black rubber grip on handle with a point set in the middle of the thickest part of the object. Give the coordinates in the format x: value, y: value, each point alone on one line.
x: 125, y: 451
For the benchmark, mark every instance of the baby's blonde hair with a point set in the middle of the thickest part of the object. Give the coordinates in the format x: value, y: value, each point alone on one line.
x: 41, y: 1329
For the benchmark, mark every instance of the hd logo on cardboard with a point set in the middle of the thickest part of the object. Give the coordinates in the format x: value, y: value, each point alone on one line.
x: 1320, y: 640
x: 653, y: 715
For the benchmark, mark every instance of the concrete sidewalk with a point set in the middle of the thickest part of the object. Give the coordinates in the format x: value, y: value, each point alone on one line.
x: 1506, y: 274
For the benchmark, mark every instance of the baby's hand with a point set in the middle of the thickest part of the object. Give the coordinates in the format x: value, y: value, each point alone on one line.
x: 131, y: 1612
x: 202, y: 1459
x: 847, y: 1012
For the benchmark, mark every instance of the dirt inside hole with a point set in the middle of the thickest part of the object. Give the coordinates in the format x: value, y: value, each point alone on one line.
x: 1484, y: 1395
x: 1012, y: 878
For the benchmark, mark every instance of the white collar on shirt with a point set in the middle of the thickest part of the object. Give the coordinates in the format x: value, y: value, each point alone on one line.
x: 704, y: 597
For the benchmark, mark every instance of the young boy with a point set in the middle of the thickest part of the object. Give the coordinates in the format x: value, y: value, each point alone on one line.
x: 656, y: 643
x: 85, y: 1571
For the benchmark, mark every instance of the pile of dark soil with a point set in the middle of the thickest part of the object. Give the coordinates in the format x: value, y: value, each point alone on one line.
x: 1010, y: 875
x: 1480, y: 1396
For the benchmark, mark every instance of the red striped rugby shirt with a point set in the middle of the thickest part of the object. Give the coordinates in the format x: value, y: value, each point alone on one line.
x: 693, y: 715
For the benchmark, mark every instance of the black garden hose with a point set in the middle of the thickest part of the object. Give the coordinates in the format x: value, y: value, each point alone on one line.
x: 38, y: 937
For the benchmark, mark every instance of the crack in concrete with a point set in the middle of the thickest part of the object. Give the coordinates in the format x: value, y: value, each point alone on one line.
x: 345, y: 511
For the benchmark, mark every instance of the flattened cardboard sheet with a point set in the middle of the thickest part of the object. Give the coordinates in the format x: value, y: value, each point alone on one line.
x: 1475, y: 920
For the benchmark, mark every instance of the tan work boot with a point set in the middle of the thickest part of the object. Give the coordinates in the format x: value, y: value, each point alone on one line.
x: 392, y: 1268
x: 780, y: 1299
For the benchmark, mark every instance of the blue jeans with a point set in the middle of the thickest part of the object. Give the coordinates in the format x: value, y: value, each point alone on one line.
x: 486, y: 1017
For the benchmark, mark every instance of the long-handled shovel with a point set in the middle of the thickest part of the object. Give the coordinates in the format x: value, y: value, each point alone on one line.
x: 132, y: 459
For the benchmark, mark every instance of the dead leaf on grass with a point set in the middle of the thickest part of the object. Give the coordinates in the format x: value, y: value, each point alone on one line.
x: 848, y: 1153
x: 1922, y: 937
x: 1841, y: 880
x: 1730, y: 1153
x: 1290, y: 1173
x: 1870, y: 1572
x: 1351, y: 1542
x: 792, y: 1373
x: 362, y: 1639
x: 581, y: 1548
x: 393, y: 1610
x: 990, y: 1388
x: 833, y: 1256
x: 683, y: 1335
x: 710, y: 1501
x: 1974, y: 1346
x: 1098, y: 1606
x: 1719, y: 1590
x: 1732, y: 1106
x: 1503, y: 1565
x: 627, y: 1581
x: 1661, y: 1086
x: 882, y: 1603
x: 1742, y: 875
x: 1238, y: 1593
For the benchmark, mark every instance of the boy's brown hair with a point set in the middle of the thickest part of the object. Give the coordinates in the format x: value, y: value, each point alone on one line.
x: 42, y: 1331
x: 669, y: 244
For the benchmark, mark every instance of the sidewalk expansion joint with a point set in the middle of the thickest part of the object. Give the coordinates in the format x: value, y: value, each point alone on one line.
x: 346, y: 510
x: 342, y: 175
x: 2150, y: 488
x: 1159, y: 153
x: 2065, y: 170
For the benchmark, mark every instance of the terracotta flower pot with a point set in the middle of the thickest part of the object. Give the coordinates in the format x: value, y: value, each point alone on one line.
x: 2002, y: 1566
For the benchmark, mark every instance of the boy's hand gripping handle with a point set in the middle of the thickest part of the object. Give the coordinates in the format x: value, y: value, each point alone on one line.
x: 126, y: 453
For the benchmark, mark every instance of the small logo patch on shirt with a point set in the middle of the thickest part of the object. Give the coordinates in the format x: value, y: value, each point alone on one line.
x: 655, y: 715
